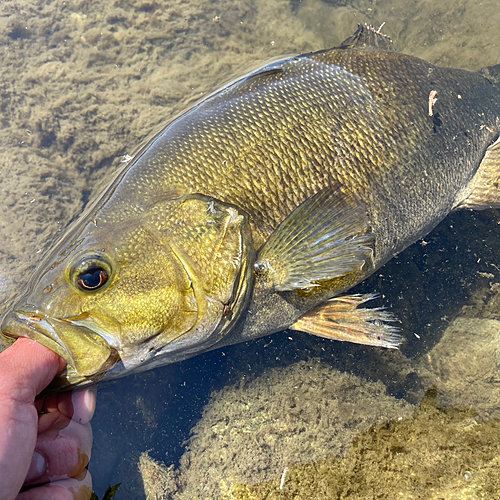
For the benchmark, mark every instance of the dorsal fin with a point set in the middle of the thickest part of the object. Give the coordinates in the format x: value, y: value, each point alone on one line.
x: 492, y: 73
x: 367, y: 37
x: 269, y: 70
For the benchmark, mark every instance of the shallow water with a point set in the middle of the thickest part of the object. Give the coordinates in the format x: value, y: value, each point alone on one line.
x: 84, y: 83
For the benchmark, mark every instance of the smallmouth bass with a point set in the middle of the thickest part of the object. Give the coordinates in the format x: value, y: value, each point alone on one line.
x: 258, y: 208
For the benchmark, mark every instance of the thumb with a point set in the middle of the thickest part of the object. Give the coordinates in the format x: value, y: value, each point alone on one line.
x: 26, y: 368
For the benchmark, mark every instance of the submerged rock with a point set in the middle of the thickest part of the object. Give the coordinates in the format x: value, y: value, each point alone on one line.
x: 464, y: 366
x: 436, y: 454
x: 158, y: 480
x: 252, y: 430
x: 248, y: 445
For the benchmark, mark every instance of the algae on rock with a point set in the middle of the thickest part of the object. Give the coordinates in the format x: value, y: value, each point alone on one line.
x: 434, y: 454
x: 465, y: 366
x: 251, y: 431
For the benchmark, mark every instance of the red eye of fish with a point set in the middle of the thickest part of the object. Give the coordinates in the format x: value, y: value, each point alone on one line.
x: 92, y: 279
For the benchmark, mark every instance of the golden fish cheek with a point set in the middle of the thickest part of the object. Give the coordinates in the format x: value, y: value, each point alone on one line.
x: 212, y: 240
x: 152, y: 321
x: 150, y: 293
x: 165, y: 312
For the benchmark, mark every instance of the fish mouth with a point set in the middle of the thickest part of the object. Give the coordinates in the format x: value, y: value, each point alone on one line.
x: 87, y: 354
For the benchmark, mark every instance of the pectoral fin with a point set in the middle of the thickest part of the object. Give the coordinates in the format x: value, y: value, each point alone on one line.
x: 484, y: 189
x: 324, y: 238
x: 340, y: 319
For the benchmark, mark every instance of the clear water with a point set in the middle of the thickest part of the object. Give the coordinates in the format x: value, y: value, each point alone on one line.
x: 84, y: 83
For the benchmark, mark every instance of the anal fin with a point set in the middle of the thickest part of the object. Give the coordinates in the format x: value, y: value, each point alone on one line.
x: 484, y: 189
x: 340, y: 319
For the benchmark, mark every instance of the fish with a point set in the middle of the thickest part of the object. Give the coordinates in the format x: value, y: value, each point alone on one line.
x: 261, y: 206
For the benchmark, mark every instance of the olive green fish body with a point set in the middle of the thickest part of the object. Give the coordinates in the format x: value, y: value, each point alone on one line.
x: 271, y: 196
x: 358, y: 117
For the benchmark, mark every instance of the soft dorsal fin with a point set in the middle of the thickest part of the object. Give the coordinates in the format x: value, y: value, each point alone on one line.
x: 492, y: 73
x: 274, y: 68
x: 367, y: 37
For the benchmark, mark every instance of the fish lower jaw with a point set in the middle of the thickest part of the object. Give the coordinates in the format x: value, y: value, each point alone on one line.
x: 34, y: 326
x: 87, y: 354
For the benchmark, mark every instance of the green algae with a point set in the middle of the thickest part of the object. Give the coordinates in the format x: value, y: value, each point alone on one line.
x: 435, y: 453
x: 252, y: 429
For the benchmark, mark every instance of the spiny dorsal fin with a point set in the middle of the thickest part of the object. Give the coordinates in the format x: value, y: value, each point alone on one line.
x: 325, y: 237
x: 367, y: 37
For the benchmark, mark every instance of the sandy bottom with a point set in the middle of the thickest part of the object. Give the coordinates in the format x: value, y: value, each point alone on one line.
x: 84, y: 83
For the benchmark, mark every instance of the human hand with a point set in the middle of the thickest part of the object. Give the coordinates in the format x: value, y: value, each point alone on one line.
x: 44, y: 443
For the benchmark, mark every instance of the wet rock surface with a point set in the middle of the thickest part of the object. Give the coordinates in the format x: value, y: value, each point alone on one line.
x: 464, y: 366
x: 251, y: 430
x: 435, y: 453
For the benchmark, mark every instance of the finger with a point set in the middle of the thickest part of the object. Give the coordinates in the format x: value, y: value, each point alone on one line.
x: 78, y: 488
x: 48, y: 420
x: 65, y: 448
x: 83, y: 404
x: 78, y: 405
x: 26, y: 368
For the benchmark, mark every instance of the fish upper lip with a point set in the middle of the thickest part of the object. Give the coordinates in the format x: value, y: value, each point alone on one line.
x: 19, y: 323
x: 34, y: 321
x: 37, y: 322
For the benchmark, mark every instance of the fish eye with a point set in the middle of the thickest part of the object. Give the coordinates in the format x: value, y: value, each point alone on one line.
x: 90, y: 273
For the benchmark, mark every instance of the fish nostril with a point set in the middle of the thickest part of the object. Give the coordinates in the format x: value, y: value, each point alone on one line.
x: 35, y: 319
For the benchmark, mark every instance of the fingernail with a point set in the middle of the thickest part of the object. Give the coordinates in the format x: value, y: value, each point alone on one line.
x: 37, y: 467
x: 90, y: 399
x: 83, y: 405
